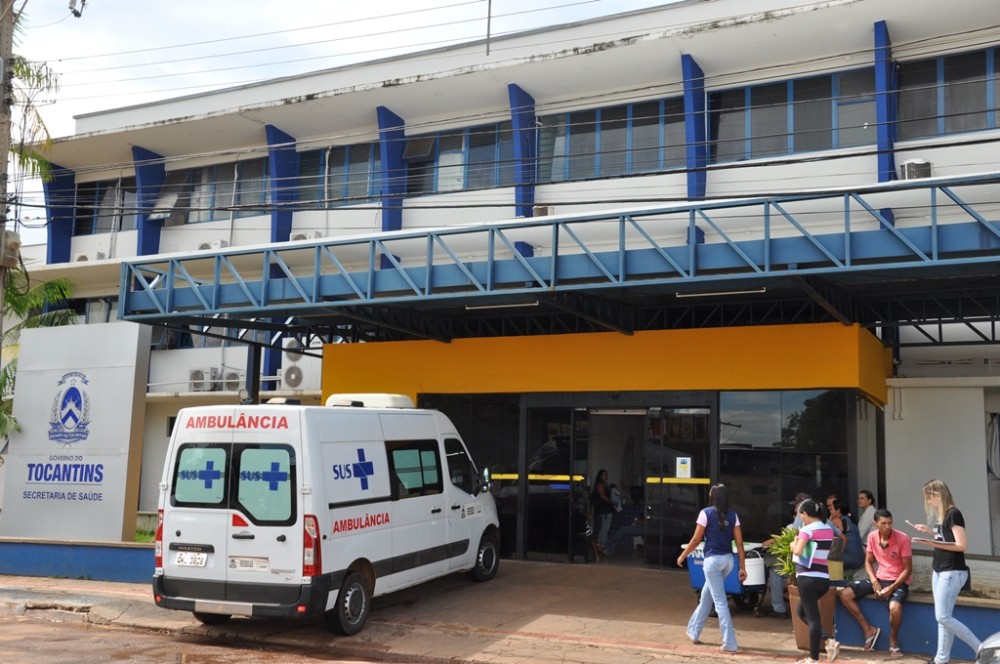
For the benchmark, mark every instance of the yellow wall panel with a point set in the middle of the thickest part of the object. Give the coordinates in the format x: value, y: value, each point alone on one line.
x: 747, y: 358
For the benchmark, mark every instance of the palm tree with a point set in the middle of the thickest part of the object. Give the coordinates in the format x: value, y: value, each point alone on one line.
x: 26, y: 305
x: 31, y: 306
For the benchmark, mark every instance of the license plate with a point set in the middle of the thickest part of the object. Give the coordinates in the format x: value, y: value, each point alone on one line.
x: 190, y: 559
x: 248, y: 564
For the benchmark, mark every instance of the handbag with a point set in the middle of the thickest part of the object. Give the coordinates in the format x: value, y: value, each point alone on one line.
x: 837, y: 549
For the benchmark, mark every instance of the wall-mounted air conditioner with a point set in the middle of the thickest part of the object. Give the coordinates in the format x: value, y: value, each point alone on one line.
x: 292, y: 376
x: 85, y: 256
x: 542, y: 210
x: 203, y: 379
x: 305, y: 235
x: 232, y: 381
x: 214, y: 245
x: 914, y: 169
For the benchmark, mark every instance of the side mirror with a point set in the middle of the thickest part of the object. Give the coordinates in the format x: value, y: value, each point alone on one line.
x: 484, y: 482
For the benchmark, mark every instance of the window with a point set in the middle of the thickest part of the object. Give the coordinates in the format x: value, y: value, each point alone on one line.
x: 461, y: 470
x: 311, y: 189
x: 620, y: 140
x: 948, y: 95
x: 262, y: 482
x: 787, y: 117
x: 200, y: 476
x: 107, y: 206
x: 265, y: 483
x: 417, y: 466
x: 252, y: 188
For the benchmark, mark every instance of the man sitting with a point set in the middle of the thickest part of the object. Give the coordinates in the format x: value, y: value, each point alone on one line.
x: 890, y: 550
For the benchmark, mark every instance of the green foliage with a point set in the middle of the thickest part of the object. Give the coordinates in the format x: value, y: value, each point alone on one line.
x: 32, y: 306
x: 781, y: 548
x: 145, y: 536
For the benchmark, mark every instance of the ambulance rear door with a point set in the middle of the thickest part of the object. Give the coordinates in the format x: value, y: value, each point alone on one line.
x: 264, y: 534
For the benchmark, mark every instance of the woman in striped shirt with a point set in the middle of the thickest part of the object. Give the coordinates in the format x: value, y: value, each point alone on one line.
x: 810, y: 550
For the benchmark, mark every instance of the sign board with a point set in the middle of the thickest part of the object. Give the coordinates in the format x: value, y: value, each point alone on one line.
x: 72, y: 472
x: 684, y: 467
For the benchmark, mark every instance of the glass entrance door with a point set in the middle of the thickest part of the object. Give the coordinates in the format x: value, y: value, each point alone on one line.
x: 556, y: 465
x: 678, y: 472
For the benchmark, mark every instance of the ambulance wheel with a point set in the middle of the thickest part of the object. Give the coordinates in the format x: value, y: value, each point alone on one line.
x: 487, y: 559
x: 211, y: 618
x: 353, y: 603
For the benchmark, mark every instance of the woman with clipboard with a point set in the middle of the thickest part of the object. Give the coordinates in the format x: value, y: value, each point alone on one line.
x: 950, y: 573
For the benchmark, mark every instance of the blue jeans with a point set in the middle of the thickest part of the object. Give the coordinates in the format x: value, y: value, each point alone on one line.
x: 945, y: 586
x: 776, y: 585
x: 604, y: 526
x: 717, y: 568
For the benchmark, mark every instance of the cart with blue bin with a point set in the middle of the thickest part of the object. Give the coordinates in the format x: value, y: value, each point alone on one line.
x: 747, y: 595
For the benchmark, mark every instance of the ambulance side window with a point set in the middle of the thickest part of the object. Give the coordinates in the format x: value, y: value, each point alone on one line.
x: 417, y: 464
x: 265, y: 485
x: 200, y: 476
x: 460, y: 466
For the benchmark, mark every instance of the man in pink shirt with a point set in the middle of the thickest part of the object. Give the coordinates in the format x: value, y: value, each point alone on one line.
x: 889, y: 564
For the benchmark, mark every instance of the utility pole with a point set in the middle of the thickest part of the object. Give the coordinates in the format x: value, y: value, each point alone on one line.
x: 7, y: 19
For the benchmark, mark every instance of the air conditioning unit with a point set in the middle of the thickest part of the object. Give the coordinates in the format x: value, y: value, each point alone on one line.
x: 292, y: 376
x: 542, y: 210
x: 305, y: 235
x: 203, y: 379
x: 914, y: 169
x: 214, y: 245
x: 85, y: 256
x: 232, y: 382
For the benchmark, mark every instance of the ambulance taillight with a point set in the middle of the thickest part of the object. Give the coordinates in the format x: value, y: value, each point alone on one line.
x: 158, y: 546
x: 312, y: 563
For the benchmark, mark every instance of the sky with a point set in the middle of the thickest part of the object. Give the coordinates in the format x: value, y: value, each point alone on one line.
x: 123, y: 52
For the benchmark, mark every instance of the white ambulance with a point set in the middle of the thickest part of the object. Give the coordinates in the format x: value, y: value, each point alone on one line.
x: 295, y: 511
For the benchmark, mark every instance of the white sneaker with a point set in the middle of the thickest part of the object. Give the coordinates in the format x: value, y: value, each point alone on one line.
x: 832, y: 649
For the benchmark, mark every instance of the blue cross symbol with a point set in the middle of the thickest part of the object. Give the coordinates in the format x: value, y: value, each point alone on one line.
x: 363, y: 469
x: 209, y: 474
x: 273, y: 476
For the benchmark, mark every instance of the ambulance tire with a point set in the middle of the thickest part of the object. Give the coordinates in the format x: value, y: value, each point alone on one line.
x: 353, y: 604
x: 487, y: 559
x: 211, y: 618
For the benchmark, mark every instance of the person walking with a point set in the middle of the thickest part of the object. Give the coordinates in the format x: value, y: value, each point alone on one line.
x: 719, y: 527
x: 809, y: 550
x: 950, y: 573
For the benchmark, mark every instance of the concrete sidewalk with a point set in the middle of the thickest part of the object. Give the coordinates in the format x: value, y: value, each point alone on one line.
x: 531, y: 612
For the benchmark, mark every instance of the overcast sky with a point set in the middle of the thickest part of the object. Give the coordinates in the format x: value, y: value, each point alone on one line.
x: 124, y: 52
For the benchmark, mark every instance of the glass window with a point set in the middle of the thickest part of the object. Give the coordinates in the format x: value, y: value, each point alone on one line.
x: 769, y: 120
x: 812, y: 114
x: 482, y: 157
x: 451, y: 161
x: 461, y: 470
x: 129, y: 219
x: 266, y: 483
x: 645, y: 137
x: 336, y: 182
x: 174, y: 199
x: 108, y: 208
x: 552, y: 149
x: 614, y: 141
x: 674, y: 134
x: 358, y: 172
x: 311, y: 179
x: 252, y: 188
x: 582, y: 145
x: 775, y: 444
x: 727, y: 118
x: 505, y: 138
x: 417, y: 466
x: 917, y: 99
x: 856, y: 109
x: 200, y: 476
x: 965, y: 93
